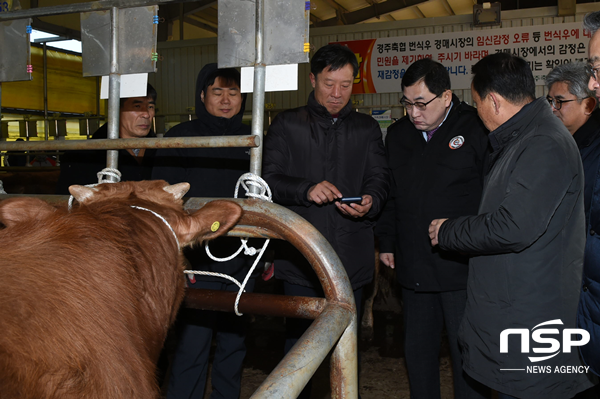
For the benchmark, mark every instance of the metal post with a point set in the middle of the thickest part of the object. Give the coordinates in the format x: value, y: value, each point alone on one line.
x: 1, y: 113
x: 46, y: 127
x: 258, y: 97
x: 181, y: 16
x: 97, y: 96
x: 114, y: 88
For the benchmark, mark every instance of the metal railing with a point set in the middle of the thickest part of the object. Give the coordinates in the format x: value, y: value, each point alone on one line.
x: 335, y: 325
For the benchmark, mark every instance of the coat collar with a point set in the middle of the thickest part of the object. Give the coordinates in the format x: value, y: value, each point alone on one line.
x: 586, y: 134
x: 321, y: 112
x: 512, y: 128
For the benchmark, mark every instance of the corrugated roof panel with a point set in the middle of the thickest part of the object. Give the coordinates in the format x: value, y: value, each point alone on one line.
x: 406, y: 13
x: 432, y: 9
x: 462, y: 6
x: 321, y: 9
x: 353, y: 5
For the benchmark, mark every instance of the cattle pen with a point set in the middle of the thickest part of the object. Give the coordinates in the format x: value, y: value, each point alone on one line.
x: 335, y: 325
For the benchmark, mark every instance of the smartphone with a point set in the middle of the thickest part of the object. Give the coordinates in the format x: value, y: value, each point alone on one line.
x: 351, y: 200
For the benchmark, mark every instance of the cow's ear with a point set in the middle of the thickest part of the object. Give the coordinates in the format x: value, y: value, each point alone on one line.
x: 212, y: 220
x: 17, y: 210
x: 178, y: 190
x: 82, y: 193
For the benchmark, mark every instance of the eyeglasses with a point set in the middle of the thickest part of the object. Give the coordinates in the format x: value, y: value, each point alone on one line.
x: 591, y: 71
x: 421, y: 106
x: 556, y: 103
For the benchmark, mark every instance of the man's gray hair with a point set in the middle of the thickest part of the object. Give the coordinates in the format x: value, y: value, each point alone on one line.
x: 574, y: 75
x: 591, y: 22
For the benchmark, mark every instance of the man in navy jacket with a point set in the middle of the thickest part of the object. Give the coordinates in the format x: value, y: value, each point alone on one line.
x: 436, y: 155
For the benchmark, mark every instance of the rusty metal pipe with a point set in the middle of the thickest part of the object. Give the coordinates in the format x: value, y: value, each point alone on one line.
x: 292, y: 374
x: 344, y: 363
x: 263, y: 304
x: 119, y: 144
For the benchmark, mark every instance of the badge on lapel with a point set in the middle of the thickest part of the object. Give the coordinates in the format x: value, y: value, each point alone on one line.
x: 456, y: 142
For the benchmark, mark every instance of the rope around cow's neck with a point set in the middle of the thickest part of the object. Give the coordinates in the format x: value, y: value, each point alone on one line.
x: 246, y: 180
x: 103, y: 178
x: 161, y: 218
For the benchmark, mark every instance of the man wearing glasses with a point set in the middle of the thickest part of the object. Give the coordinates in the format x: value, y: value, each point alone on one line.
x: 436, y: 155
x: 588, y: 314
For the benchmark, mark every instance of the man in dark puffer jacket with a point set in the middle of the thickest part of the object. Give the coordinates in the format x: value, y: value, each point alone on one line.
x: 315, y: 155
x: 211, y: 172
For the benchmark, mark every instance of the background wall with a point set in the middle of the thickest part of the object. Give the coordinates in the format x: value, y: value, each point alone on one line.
x: 182, y: 60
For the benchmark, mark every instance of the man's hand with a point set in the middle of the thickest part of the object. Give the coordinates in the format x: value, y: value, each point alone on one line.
x: 388, y: 259
x: 356, y: 210
x: 323, y: 193
x: 434, y: 229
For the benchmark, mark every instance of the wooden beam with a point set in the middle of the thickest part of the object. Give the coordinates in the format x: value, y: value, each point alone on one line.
x: 448, y: 7
x: 201, y: 25
x: 386, y: 7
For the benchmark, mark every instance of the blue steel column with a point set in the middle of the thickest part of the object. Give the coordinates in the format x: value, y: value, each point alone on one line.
x: 114, y: 88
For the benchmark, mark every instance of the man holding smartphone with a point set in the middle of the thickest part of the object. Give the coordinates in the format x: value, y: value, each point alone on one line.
x: 436, y: 155
x: 314, y: 156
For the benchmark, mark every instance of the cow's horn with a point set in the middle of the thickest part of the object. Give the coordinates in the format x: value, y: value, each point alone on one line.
x: 178, y: 190
x: 82, y: 193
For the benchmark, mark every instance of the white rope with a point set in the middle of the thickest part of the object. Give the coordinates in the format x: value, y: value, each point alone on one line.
x: 104, y: 173
x: 247, y: 180
x: 102, y: 178
x: 161, y: 218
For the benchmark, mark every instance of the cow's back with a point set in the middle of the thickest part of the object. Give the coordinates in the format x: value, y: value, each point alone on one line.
x: 78, y: 308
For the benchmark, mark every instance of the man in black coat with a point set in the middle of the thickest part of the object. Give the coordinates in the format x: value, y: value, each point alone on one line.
x: 436, y: 155
x: 135, y: 121
x: 315, y: 155
x: 211, y: 172
x: 527, y: 242
x: 588, y: 141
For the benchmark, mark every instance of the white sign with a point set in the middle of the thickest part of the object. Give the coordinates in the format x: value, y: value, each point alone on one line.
x: 133, y: 85
x: 277, y: 78
x: 383, y: 61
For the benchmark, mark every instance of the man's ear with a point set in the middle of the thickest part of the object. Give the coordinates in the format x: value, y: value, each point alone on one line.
x: 313, y: 79
x: 447, y: 96
x: 496, y: 103
x: 590, y: 105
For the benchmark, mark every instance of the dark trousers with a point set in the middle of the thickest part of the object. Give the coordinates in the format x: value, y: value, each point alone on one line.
x: 296, y: 327
x: 425, y: 314
x: 190, y: 365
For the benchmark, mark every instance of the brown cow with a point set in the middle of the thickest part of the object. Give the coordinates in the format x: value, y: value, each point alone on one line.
x: 87, y: 296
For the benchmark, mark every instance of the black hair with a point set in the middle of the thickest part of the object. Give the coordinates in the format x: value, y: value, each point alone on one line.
x: 228, y: 77
x: 505, y: 74
x: 434, y: 74
x: 150, y: 92
x: 333, y: 56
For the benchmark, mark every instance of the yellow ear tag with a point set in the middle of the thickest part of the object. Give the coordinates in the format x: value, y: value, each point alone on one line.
x: 215, y: 226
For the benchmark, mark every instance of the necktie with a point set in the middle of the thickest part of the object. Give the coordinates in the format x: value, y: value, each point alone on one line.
x: 430, y: 133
